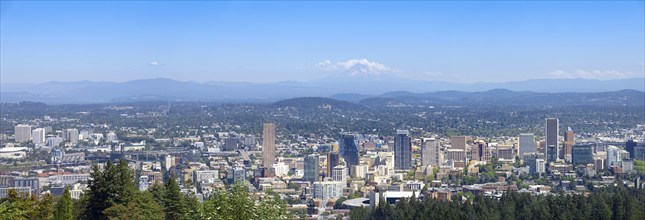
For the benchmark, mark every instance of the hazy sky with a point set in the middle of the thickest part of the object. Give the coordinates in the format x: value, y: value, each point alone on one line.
x: 277, y: 41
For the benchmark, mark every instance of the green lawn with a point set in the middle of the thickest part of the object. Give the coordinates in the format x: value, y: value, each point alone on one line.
x: 639, y: 165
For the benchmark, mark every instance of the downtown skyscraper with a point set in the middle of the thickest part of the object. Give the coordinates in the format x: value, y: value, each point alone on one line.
x: 268, y: 144
x: 312, y: 168
x: 348, y: 146
x: 569, y: 141
x: 402, y: 150
x: 333, y: 160
x: 551, y: 131
x: 430, y: 152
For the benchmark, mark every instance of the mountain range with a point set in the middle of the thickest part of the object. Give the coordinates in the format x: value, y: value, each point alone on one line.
x: 352, y: 90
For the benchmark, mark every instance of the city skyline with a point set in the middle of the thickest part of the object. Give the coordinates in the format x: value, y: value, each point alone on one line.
x: 298, y: 41
x: 322, y: 109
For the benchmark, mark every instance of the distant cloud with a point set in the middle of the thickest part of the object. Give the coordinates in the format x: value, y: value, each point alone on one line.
x: 356, y: 67
x: 326, y: 65
x: 154, y: 63
x: 593, y: 74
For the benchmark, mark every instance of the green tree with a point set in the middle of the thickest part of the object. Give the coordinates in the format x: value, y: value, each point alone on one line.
x: 175, y: 203
x: 64, y: 207
x: 13, y: 207
x: 271, y: 208
x: 45, y: 208
x: 113, y: 185
x: 361, y: 213
x: 143, y: 206
x: 339, y: 202
x: 235, y: 203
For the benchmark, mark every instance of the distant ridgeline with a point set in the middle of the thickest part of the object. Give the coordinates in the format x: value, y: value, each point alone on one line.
x: 533, y: 92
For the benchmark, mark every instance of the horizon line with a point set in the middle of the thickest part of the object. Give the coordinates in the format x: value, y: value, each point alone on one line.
x: 303, y: 81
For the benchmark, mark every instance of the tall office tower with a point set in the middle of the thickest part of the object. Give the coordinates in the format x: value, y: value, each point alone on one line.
x: 402, y: 150
x: 551, y: 153
x: 430, y: 152
x: 333, y: 159
x: 527, y: 144
x: 458, y: 142
x: 22, y: 133
x: 568, y: 144
x: 268, y: 144
x: 630, y: 145
x: 613, y: 156
x: 551, y: 131
x: 481, y: 151
x: 312, y: 168
x: 71, y: 135
x: 582, y: 154
x: 38, y: 135
x: 348, y: 146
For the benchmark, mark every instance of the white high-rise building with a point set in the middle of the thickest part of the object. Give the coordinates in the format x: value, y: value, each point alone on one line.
x: 339, y: 174
x: 540, y: 166
x: 359, y: 171
x: 328, y: 190
x: 281, y: 169
x: 38, y: 135
x: 71, y: 135
x: 22, y: 133
x: 170, y: 162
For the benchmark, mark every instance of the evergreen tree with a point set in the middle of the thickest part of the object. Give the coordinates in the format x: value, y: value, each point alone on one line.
x: 45, y: 208
x: 158, y: 192
x: 175, y: 203
x: 361, y: 213
x: 114, y: 185
x: 63, y: 209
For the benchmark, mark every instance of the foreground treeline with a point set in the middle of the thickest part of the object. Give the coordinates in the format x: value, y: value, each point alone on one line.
x: 113, y: 195
x: 616, y: 203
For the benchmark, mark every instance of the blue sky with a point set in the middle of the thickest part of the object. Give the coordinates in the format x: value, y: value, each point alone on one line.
x: 278, y: 41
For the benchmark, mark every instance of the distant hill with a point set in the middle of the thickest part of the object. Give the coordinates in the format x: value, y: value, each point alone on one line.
x: 508, y: 97
x: 351, y: 90
x: 316, y: 103
x: 350, y: 97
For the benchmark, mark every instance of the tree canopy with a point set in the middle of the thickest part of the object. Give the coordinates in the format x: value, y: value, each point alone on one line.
x: 618, y: 203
